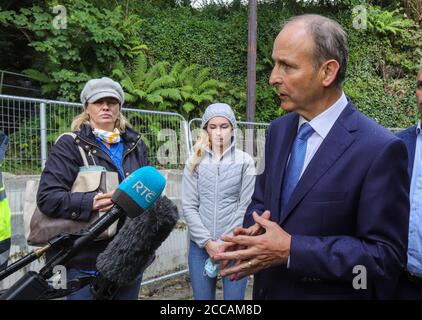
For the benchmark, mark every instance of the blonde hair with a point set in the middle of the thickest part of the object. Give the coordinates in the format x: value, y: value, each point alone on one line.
x: 198, y: 149
x: 83, y: 118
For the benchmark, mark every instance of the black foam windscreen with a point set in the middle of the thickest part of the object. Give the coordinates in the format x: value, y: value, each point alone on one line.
x: 133, y: 248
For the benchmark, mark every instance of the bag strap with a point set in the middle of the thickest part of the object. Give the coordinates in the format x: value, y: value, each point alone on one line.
x: 81, y: 150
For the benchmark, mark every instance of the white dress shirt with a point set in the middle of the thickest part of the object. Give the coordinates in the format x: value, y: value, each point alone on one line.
x: 322, y: 125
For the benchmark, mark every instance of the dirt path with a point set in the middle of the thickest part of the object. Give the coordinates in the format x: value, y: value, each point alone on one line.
x: 180, y: 289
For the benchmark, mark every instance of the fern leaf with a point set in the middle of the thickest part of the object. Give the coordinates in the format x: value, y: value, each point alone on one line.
x: 140, y: 68
x: 185, y: 95
x: 187, y: 89
x: 164, y: 106
x: 156, y: 71
x: 210, y: 92
x: 130, y: 97
x: 160, y: 83
x: 176, y: 69
x: 209, y: 84
x: 186, y: 77
x: 154, y: 99
x: 200, y: 78
x: 37, y: 75
x: 170, y: 93
x: 188, y: 107
x: 127, y: 84
x: 49, y: 87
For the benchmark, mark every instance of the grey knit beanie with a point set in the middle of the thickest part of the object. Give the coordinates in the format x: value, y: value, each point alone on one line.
x: 218, y: 110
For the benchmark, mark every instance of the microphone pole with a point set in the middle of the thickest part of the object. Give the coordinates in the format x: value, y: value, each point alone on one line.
x: 34, y: 285
x: 34, y: 255
x: 87, y: 237
x: 61, y: 242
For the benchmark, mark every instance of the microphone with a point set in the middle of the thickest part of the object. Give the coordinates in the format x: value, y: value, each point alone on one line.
x: 133, y: 249
x: 139, y: 191
x: 133, y: 196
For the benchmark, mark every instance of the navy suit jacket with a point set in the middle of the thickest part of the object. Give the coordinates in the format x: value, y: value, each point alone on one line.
x: 350, y: 208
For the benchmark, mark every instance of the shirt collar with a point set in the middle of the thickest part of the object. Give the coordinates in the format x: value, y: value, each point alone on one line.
x: 418, y: 128
x: 323, y: 122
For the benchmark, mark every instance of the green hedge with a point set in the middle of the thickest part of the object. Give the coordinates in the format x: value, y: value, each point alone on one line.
x: 383, y: 58
x: 217, y: 38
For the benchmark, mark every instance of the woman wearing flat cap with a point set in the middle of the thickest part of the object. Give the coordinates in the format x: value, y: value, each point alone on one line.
x: 106, y: 136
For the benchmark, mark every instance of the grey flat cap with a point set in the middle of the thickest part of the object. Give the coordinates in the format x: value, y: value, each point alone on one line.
x: 96, y: 89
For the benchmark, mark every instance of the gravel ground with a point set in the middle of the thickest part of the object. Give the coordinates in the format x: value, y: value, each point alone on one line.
x: 179, y: 288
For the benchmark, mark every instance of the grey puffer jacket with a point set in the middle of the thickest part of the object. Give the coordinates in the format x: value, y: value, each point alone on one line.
x: 215, y: 196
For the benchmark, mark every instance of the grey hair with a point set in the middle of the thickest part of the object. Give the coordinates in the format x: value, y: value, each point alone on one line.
x: 330, y: 41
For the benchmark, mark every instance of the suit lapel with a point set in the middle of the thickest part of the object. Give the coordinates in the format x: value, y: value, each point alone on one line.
x: 411, y: 150
x: 334, y: 145
x: 285, y: 135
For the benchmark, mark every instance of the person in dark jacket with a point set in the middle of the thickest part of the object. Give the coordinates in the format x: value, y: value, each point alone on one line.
x: 103, y: 132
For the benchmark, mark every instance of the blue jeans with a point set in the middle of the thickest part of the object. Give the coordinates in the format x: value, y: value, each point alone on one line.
x: 203, y: 286
x: 130, y: 292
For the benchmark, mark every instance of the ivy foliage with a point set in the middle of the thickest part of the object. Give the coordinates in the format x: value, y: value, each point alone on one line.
x: 384, y: 57
x: 75, y: 44
x: 110, y: 38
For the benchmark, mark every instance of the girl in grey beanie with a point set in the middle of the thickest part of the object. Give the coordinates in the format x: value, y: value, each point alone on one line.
x: 218, y: 183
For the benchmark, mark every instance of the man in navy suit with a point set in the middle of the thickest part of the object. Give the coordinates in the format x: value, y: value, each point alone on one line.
x: 410, y: 286
x: 329, y: 215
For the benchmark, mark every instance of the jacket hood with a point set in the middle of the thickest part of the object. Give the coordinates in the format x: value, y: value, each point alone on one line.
x: 219, y: 110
